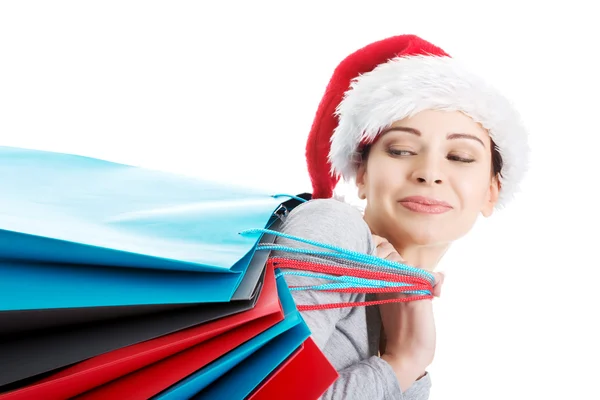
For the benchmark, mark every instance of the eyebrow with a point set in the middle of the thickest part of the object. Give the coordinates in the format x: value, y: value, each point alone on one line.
x: 450, y: 136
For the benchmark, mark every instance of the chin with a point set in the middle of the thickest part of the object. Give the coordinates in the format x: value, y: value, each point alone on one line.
x: 419, y: 233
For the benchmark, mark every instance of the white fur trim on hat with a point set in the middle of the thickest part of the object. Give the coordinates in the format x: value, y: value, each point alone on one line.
x: 405, y: 86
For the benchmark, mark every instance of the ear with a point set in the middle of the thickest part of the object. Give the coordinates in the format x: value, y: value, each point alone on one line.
x: 361, y: 178
x: 491, y: 197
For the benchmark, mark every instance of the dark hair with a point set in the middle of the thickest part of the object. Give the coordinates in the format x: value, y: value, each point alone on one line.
x: 497, y: 162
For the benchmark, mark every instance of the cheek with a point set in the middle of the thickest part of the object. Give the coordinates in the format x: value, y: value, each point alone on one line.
x: 384, y: 177
x: 473, y: 191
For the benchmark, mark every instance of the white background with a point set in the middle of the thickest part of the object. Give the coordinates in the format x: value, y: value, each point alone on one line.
x: 227, y: 91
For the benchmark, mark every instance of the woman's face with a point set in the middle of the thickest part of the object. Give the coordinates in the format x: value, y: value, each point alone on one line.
x: 427, y: 178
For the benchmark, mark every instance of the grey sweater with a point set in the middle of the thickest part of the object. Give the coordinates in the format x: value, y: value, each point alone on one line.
x: 349, y: 337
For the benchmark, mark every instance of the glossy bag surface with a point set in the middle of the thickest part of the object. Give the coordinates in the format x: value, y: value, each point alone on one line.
x: 70, y: 209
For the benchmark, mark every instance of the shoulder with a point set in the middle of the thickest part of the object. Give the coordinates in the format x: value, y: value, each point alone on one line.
x: 332, y: 222
x: 326, y: 209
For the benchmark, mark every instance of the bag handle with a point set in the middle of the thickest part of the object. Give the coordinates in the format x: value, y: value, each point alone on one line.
x: 375, y: 275
x: 338, y: 252
x: 419, y: 288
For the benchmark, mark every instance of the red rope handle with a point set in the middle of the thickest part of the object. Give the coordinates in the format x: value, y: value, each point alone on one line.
x: 418, y: 283
x: 361, y: 303
x: 393, y: 289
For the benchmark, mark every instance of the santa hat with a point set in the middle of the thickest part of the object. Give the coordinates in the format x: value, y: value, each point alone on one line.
x: 393, y: 79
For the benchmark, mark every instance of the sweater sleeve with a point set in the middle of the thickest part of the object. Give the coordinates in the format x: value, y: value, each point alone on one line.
x: 374, y: 379
x: 339, y: 224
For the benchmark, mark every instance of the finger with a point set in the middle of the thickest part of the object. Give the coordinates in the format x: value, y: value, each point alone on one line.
x: 387, y: 251
x: 438, y: 282
x: 377, y: 240
x: 396, y: 257
x: 384, y: 249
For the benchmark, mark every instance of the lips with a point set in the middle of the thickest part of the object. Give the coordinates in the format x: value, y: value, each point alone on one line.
x: 425, y: 205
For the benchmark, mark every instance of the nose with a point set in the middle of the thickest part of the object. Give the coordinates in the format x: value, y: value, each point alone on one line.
x: 428, y: 172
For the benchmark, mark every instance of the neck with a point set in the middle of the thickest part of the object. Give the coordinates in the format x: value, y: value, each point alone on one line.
x: 425, y: 257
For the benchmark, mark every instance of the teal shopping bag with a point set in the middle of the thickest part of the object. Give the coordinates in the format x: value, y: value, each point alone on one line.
x: 40, y: 286
x: 69, y: 209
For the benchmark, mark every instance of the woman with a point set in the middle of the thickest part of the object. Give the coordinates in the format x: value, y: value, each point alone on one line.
x: 430, y: 147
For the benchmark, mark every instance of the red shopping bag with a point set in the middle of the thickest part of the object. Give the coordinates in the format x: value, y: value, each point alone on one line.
x: 102, y: 369
x: 305, y: 375
x: 153, y: 379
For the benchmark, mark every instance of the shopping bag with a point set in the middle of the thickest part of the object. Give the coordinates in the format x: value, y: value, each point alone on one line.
x: 77, y: 233
x: 35, y: 285
x: 229, y: 347
x: 29, y: 286
x: 240, y: 381
x: 100, y: 370
x: 305, y: 375
x: 70, y: 209
x: 290, y: 329
x: 18, y: 321
x: 36, y: 352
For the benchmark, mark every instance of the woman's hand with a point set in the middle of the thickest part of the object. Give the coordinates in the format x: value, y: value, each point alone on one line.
x: 409, y: 328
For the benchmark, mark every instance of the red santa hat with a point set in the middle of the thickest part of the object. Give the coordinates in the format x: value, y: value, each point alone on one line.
x: 396, y: 78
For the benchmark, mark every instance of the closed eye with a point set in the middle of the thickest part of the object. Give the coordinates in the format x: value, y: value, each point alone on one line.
x: 460, y: 159
x: 407, y: 153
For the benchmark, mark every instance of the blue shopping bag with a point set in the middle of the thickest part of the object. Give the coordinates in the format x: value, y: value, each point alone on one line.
x: 80, y: 232
x: 32, y: 287
x: 252, y: 361
x: 40, y: 286
x: 70, y: 209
